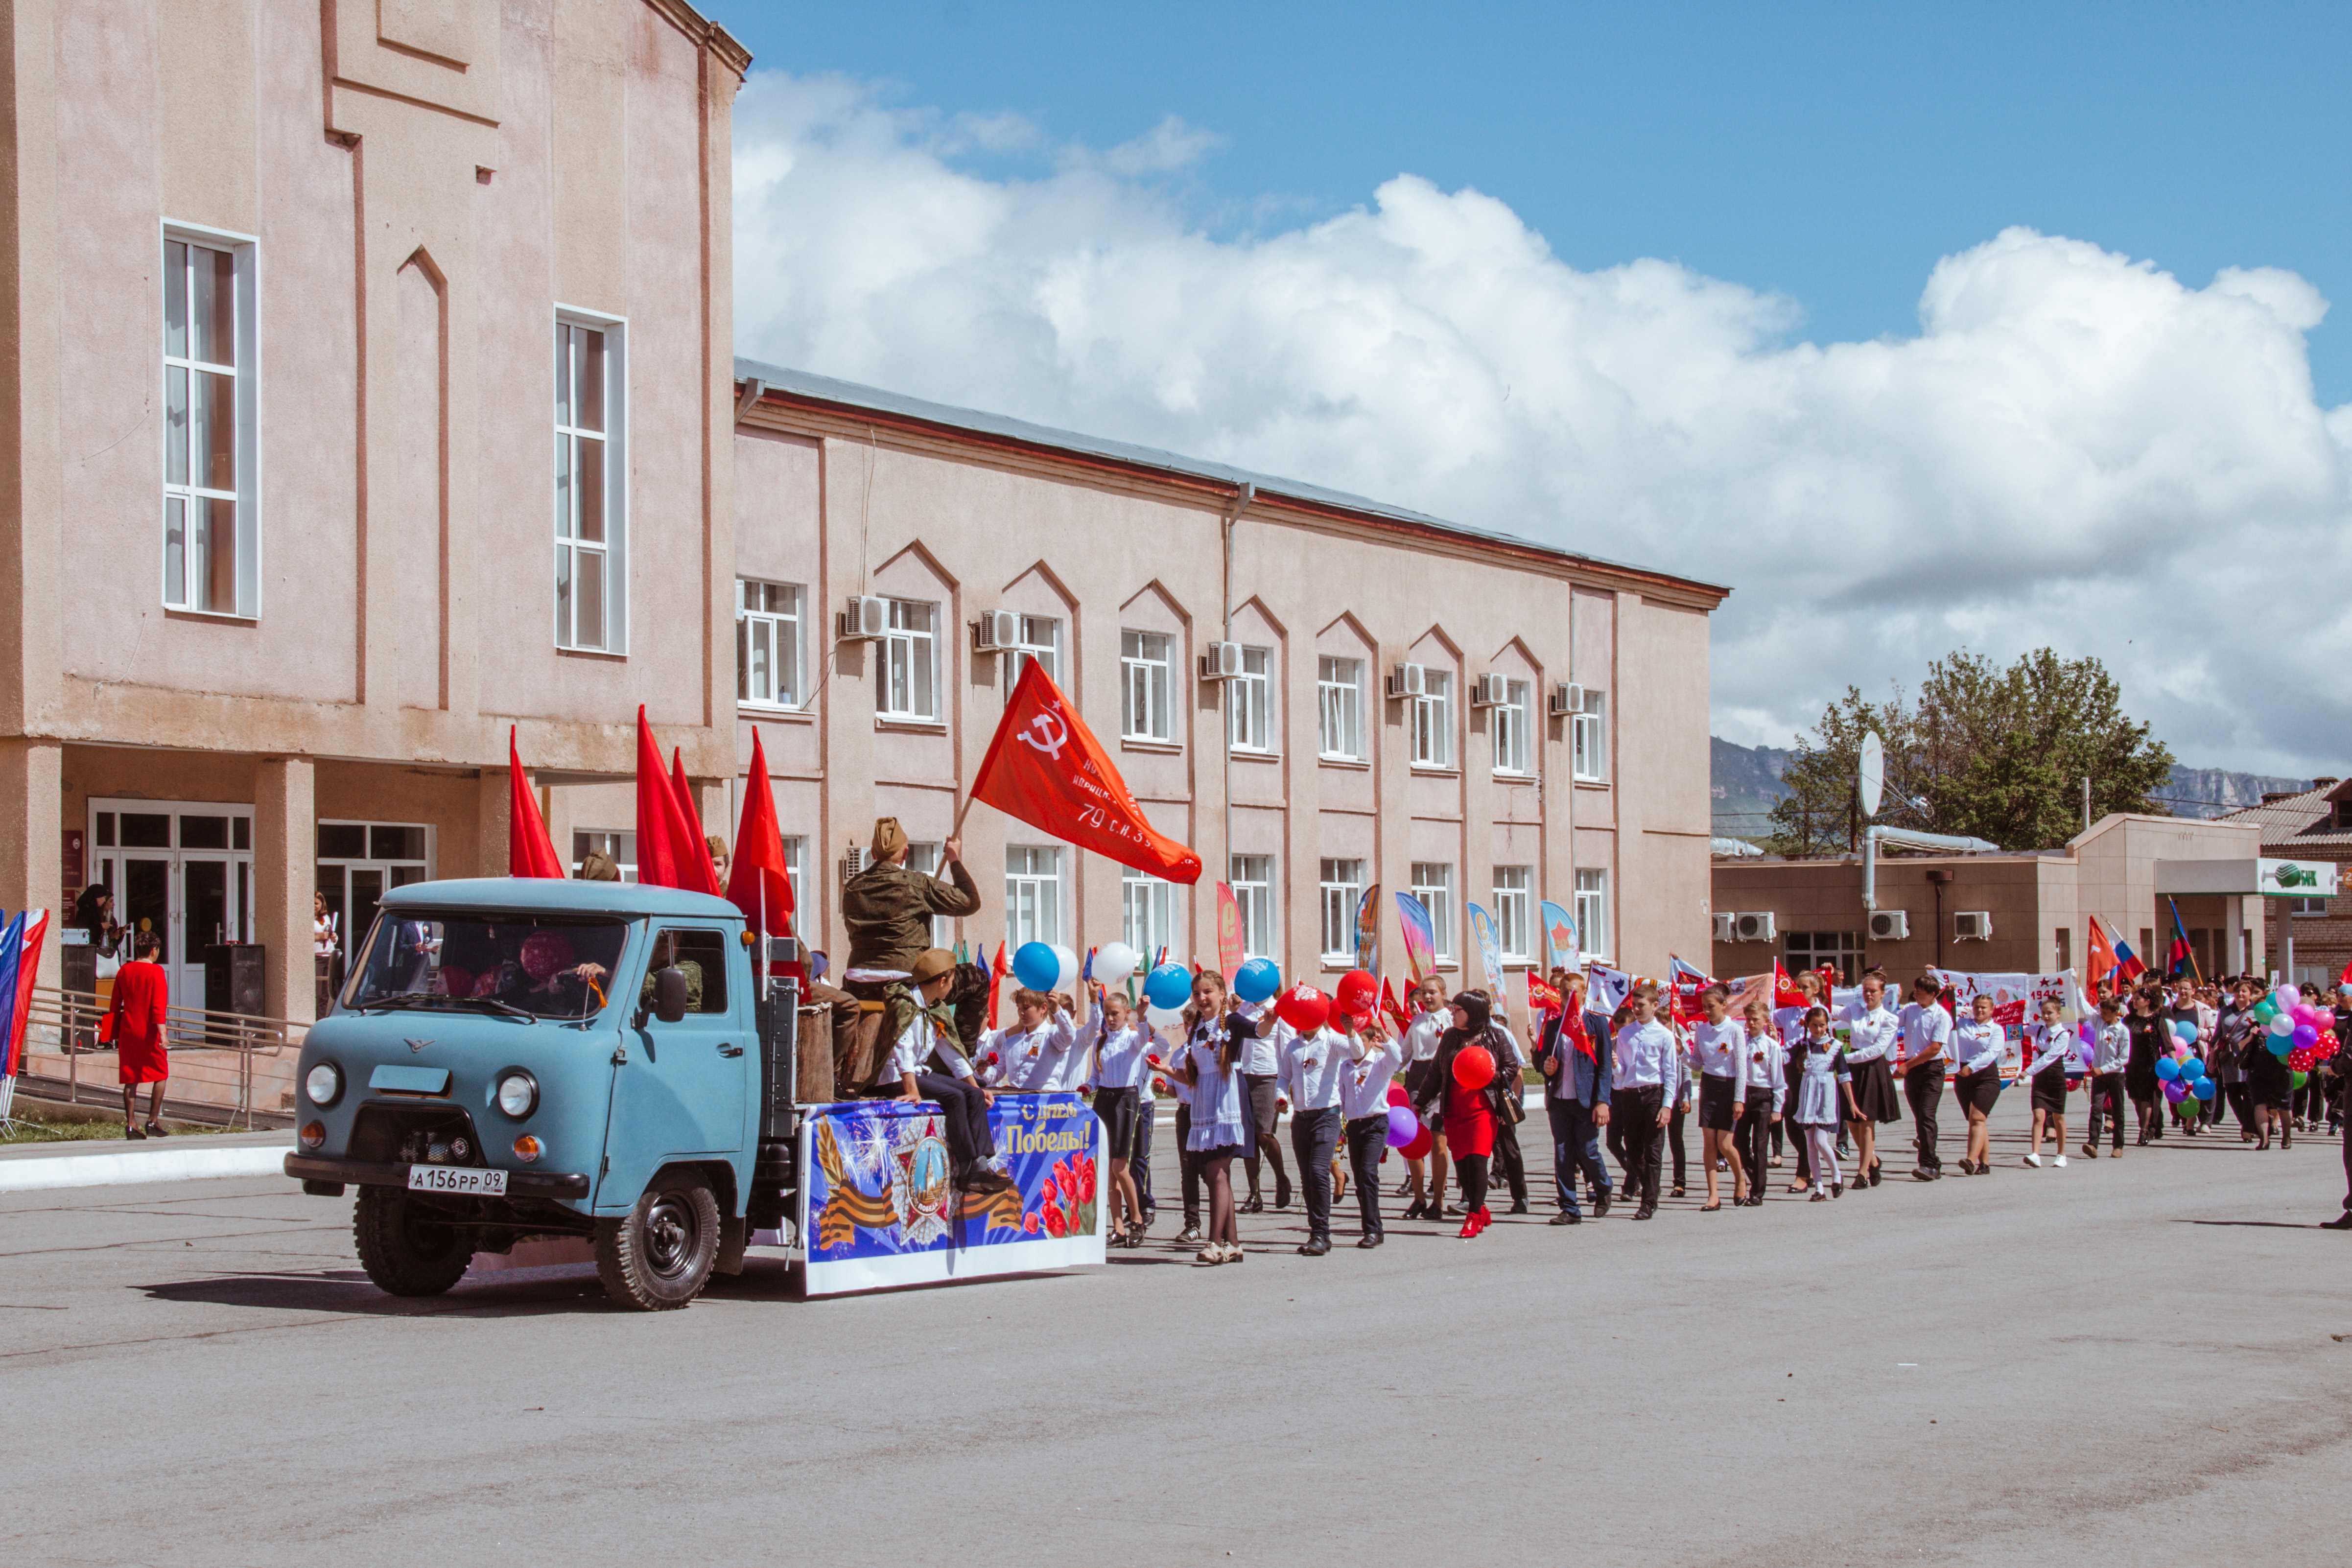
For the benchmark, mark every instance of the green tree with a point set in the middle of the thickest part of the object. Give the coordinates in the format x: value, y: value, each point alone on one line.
x: 1991, y: 753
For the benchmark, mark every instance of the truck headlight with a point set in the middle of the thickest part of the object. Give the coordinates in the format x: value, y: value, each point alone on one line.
x: 517, y: 1095
x: 324, y: 1083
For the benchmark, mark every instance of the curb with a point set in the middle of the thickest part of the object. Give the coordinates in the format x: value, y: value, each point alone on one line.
x: 128, y: 1169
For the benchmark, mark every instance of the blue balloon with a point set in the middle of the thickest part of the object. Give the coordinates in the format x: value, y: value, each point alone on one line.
x: 2168, y: 1069
x: 2184, y: 1029
x: 1257, y: 980
x: 2191, y: 1069
x: 1036, y: 966
x: 2202, y: 1088
x: 1169, y: 987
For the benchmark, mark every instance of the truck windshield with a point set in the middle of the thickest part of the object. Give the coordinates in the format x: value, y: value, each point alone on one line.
x: 542, y: 966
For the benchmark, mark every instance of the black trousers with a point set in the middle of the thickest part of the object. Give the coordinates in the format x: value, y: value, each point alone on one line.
x: 966, y: 1115
x: 1675, y: 1142
x: 1262, y: 1091
x: 1510, y: 1166
x: 1470, y: 1175
x: 1139, y: 1165
x: 1752, y: 1137
x: 1615, y: 1140
x: 2108, y: 1100
x: 1188, y: 1165
x: 1314, y: 1135
x: 1368, y: 1139
x: 1923, y: 1086
x: 2347, y: 1162
x: 1633, y: 1108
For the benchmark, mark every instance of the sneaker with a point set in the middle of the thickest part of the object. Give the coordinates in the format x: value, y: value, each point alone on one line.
x: 2062, y: 1162
x: 2033, y: 1160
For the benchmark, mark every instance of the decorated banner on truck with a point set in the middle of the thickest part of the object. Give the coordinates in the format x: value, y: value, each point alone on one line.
x: 878, y: 1209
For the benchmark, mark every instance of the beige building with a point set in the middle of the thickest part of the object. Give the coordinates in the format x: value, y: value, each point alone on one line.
x: 299, y: 298
x: 2002, y: 913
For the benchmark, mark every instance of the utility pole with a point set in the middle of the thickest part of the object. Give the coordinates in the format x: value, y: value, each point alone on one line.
x: 2086, y: 802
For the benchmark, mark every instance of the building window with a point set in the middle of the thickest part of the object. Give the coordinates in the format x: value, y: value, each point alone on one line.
x: 358, y: 862
x: 1841, y: 950
x: 926, y: 858
x: 2306, y: 907
x: 615, y: 845
x: 1514, y: 912
x: 1339, y: 696
x: 1592, y: 913
x: 1147, y: 677
x: 767, y: 644
x: 591, y: 563
x: 906, y: 676
x: 1433, y: 884
x: 1585, y: 738
x: 209, y: 537
x: 1250, y: 696
x: 1343, y: 889
x: 1253, y: 885
x: 1147, y: 911
x: 1512, y: 723
x: 1033, y: 894
x: 2065, y: 944
x: 1432, y: 720
x: 1040, y: 639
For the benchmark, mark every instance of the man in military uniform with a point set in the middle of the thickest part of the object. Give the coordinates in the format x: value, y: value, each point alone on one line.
x: 888, y: 910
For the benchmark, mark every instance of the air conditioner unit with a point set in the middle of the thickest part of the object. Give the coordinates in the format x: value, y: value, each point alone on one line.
x: 1567, y: 698
x: 1222, y: 662
x: 994, y: 630
x: 1754, y: 928
x: 1890, y: 925
x: 1726, y: 928
x: 854, y: 860
x: 1972, y: 925
x: 863, y: 617
x: 1407, y: 681
x: 1490, y: 691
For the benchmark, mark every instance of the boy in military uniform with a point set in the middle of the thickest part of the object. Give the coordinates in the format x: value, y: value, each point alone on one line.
x: 920, y: 1044
x: 888, y: 910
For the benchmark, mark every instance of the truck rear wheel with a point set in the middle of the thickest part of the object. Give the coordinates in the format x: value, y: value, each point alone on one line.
x: 403, y: 1248
x: 659, y: 1256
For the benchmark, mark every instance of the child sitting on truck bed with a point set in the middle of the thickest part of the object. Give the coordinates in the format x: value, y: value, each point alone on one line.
x: 964, y: 1103
x: 1029, y: 1057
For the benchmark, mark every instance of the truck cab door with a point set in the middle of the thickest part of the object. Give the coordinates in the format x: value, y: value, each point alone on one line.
x: 678, y: 1089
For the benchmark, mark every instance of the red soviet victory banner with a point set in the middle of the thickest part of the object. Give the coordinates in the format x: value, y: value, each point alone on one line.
x: 1045, y: 768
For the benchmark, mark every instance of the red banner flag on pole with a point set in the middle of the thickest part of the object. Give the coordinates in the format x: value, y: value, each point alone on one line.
x: 759, y: 879
x: 1230, y: 951
x: 659, y: 827
x: 995, y: 980
x: 697, y: 871
x: 2100, y: 961
x: 529, y: 851
x: 1045, y: 769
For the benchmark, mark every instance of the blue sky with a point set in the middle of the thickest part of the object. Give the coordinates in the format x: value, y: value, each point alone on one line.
x: 1828, y: 153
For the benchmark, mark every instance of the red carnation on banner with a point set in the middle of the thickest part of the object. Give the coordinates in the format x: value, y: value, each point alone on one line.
x: 529, y: 851
x: 696, y: 869
x: 759, y: 879
x: 1046, y: 768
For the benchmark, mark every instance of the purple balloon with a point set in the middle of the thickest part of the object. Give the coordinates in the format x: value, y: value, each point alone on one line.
x: 2175, y: 1091
x: 2304, y: 1037
x: 1403, y: 1127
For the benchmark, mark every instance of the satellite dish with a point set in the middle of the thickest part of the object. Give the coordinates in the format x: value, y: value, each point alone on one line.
x: 1874, y: 772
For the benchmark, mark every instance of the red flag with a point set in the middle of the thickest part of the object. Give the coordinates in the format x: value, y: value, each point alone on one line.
x: 659, y: 828
x: 1541, y: 997
x: 1684, y: 984
x: 995, y: 978
x: 697, y: 871
x: 1045, y: 769
x: 1393, y: 1009
x: 759, y: 880
x: 2100, y: 961
x: 529, y: 851
x: 1784, y: 990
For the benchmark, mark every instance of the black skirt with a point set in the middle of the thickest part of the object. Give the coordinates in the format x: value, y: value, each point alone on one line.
x: 1718, y: 1099
x: 2267, y: 1083
x: 1874, y: 1090
x: 1978, y: 1090
x: 1118, y: 1107
x: 2050, y: 1092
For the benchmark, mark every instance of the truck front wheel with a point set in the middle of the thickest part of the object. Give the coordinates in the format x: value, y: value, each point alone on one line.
x: 403, y: 1250
x: 659, y: 1256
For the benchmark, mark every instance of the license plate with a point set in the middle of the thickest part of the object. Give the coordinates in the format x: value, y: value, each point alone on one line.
x: 458, y: 1179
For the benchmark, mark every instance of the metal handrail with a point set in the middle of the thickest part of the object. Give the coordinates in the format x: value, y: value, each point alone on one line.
x: 75, y: 1016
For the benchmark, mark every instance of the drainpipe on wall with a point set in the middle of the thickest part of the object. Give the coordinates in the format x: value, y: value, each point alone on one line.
x: 1243, y: 495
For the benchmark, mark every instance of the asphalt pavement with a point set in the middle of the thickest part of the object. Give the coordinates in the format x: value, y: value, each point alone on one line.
x: 2123, y: 1361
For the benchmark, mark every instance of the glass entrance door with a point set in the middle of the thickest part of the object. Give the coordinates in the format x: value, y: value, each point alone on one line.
x: 183, y: 869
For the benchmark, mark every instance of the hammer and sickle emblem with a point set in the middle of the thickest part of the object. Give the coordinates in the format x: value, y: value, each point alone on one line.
x: 1051, y: 735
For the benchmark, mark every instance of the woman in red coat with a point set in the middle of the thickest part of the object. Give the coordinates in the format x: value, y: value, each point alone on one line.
x: 135, y: 1024
x: 1467, y: 1113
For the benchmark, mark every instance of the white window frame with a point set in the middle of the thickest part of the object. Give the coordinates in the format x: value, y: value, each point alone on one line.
x: 1147, y: 669
x: 1514, y: 912
x: 1037, y: 637
x: 613, y: 841
x: 1342, y: 888
x: 906, y: 648
x: 1511, y: 724
x: 1339, y: 705
x: 1033, y: 898
x: 2307, y: 908
x: 1432, y: 737
x: 1593, y: 912
x: 244, y: 253
x: 795, y: 859
x: 1148, y: 917
x: 925, y: 856
x: 1588, y: 737
x: 782, y: 630
x: 1249, y: 698
x: 614, y: 438
x: 1433, y: 884
x: 1252, y: 879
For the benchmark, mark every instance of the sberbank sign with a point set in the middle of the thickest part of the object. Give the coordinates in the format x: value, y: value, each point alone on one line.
x: 2295, y: 879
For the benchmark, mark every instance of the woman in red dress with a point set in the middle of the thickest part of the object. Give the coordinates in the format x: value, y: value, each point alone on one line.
x: 1469, y: 1119
x: 135, y: 1024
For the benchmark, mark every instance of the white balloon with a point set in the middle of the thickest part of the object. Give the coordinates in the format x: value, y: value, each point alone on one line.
x: 1163, y: 1017
x: 1069, y: 961
x: 1114, y: 959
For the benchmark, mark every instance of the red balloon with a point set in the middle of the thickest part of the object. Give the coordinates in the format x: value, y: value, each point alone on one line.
x: 1357, y: 993
x: 1396, y: 1096
x: 1474, y: 1068
x: 1419, y: 1148
x: 1304, y: 1009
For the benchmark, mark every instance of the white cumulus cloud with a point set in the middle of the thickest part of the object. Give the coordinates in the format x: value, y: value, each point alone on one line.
x: 2075, y: 448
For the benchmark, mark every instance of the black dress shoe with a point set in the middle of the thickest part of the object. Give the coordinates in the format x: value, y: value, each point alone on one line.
x: 1644, y: 1212
x: 1568, y: 1220
x: 1601, y: 1206
x: 1282, y: 1194
x: 2341, y: 1222
x: 1520, y: 1206
x: 1372, y: 1241
x: 1253, y: 1206
x: 1415, y: 1210
x: 1315, y: 1249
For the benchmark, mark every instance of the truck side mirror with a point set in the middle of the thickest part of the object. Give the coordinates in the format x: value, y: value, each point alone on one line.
x: 669, y: 994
